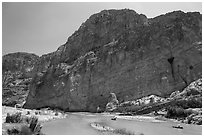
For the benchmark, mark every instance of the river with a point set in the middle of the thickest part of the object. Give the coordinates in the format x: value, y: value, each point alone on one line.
x: 79, y: 124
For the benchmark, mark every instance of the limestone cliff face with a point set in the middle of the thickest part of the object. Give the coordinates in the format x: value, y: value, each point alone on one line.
x: 122, y: 52
x: 16, y: 77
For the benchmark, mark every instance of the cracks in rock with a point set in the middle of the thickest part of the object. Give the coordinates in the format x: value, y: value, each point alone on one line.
x: 171, y: 60
x: 89, y: 88
x: 190, y: 67
x: 182, y: 76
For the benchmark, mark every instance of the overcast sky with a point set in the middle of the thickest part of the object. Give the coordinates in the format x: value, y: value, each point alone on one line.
x: 42, y: 27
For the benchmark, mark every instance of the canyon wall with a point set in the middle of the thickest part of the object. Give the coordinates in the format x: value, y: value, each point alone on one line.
x: 121, y: 52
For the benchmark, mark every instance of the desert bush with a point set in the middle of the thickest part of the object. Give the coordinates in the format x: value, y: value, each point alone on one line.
x: 32, y: 127
x: 195, y: 102
x: 33, y: 123
x: 173, y: 112
x: 191, y: 102
x: 56, y: 114
x: 192, y: 92
x: 13, y: 131
x: 35, y: 126
x: 28, y: 113
x: 14, y: 118
x: 23, y: 130
x: 27, y: 120
x: 128, y: 108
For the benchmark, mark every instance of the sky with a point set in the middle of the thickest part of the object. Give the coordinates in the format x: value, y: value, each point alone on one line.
x: 41, y: 28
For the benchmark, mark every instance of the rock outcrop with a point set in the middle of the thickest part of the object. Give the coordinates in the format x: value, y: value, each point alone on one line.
x: 113, y: 103
x: 148, y: 100
x: 122, y: 52
x: 16, y: 77
x: 195, y: 88
x: 189, y: 101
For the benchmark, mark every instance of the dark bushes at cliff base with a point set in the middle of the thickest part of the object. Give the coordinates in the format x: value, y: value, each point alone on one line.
x: 180, y: 107
x: 190, y: 102
x: 174, y: 112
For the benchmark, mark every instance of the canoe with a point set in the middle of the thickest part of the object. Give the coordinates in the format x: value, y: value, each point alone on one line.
x: 114, y: 118
x: 179, y: 127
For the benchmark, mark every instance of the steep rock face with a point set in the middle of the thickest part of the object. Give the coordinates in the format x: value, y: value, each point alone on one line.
x: 16, y: 77
x: 122, y: 52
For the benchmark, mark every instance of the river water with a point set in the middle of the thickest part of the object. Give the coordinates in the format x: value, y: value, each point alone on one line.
x: 79, y: 124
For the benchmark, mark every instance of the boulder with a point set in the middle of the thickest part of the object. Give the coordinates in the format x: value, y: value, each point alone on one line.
x: 194, y: 88
x: 128, y: 103
x: 194, y: 119
x: 149, y: 99
x: 174, y: 94
x: 197, y: 119
x: 113, y: 103
x: 195, y: 111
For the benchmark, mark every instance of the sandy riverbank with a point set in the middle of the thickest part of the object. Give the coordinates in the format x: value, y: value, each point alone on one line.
x: 43, y: 115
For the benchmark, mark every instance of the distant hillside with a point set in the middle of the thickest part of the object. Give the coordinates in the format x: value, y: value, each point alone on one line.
x: 16, y: 77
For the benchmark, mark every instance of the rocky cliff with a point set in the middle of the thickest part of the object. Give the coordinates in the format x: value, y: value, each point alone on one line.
x: 16, y: 77
x: 121, y: 52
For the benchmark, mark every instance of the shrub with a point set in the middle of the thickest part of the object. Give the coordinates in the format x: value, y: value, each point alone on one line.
x: 191, y: 102
x: 33, y: 123
x: 35, y: 126
x: 13, y: 131
x: 128, y: 108
x: 14, y: 118
x: 28, y: 113
x: 32, y: 127
x: 56, y: 114
x: 173, y: 112
x: 27, y: 120
x: 192, y: 92
x: 195, y: 102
